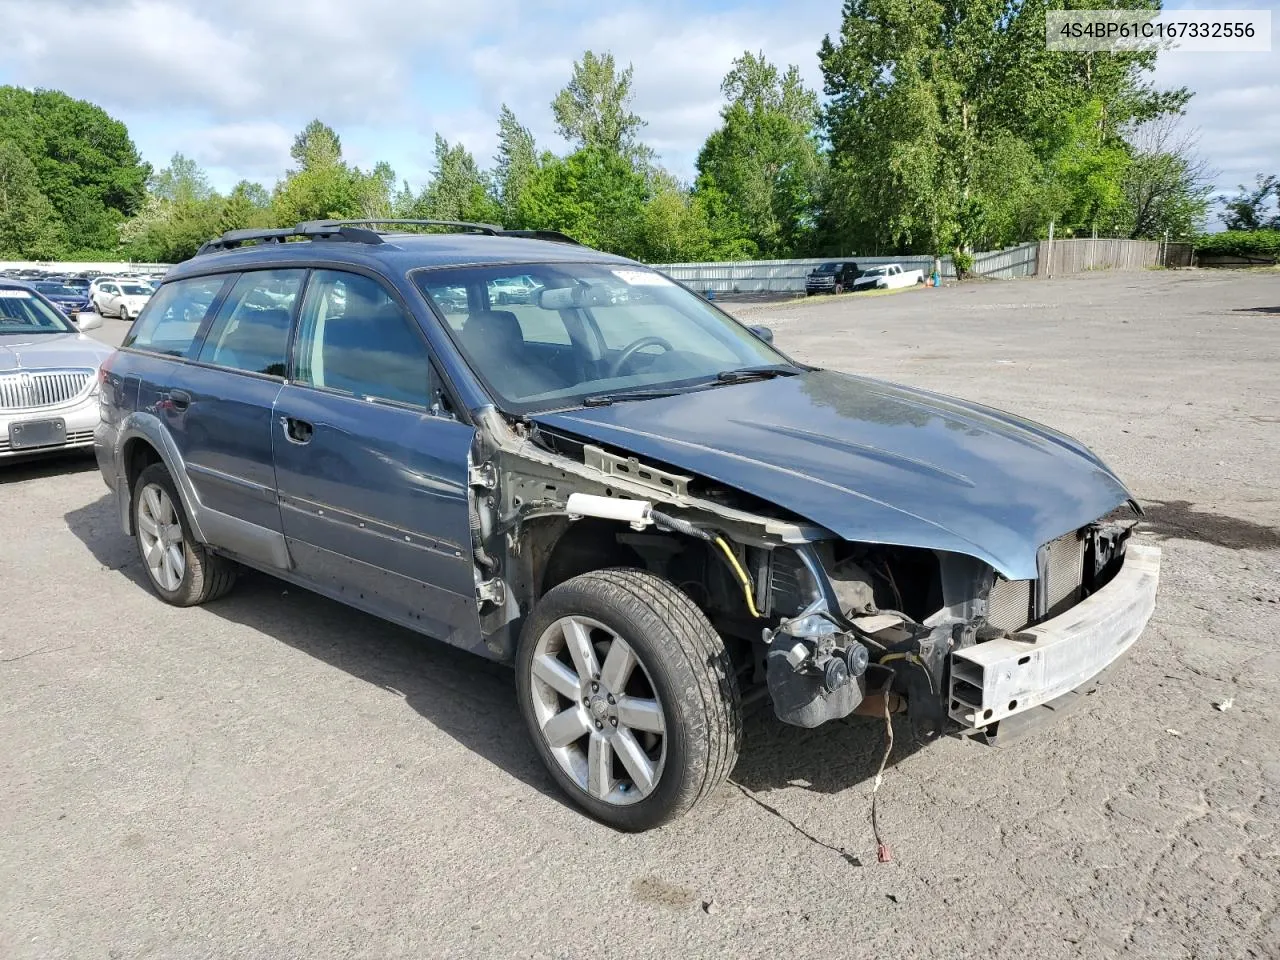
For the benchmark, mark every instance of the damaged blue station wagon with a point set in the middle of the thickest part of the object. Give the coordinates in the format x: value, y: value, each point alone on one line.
x: 561, y: 459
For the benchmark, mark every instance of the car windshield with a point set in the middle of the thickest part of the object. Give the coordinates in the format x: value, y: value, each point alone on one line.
x: 21, y: 311
x: 57, y: 290
x: 828, y: 268
x: 876, y: 272
x: 590, y: 332
x: 136, y: 290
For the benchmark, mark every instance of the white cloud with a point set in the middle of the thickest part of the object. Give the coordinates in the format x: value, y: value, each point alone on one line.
x: 229, y: 82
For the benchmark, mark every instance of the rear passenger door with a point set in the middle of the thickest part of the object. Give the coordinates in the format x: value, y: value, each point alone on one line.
x: 372, y: 483
x: 221, y: 412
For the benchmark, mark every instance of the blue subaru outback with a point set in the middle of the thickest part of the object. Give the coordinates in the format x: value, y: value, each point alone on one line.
x: 561, y: 459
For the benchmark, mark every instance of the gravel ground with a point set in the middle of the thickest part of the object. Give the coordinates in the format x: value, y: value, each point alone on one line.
x: 276, y: 776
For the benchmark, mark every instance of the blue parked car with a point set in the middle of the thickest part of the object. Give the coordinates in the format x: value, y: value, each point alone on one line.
x: 641, y: 504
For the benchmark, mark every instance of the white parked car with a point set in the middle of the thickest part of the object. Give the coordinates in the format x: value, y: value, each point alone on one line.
x: 121, y: 298
x: 48, y: 376
x: 888, y: 277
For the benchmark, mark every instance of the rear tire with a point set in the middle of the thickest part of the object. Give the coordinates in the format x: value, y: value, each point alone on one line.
x: 182, y: 571
x: 636, y: 735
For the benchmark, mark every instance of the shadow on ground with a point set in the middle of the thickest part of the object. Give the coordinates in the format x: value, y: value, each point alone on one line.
x: 1273, y: 310
x: 474, y: 700
x: 43, y: 466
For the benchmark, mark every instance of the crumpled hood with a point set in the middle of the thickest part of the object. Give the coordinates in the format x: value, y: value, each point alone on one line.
x: 44, y: 351
x: 873, y: 461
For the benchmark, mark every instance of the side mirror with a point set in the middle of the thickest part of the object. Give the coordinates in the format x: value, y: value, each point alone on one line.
x: 764, y: 333
x: 88, y: 321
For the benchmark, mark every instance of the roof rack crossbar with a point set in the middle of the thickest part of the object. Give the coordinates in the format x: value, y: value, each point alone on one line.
x: 315, y: 229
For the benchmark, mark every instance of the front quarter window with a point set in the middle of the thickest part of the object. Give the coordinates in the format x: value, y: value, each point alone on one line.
x: 554, y: 335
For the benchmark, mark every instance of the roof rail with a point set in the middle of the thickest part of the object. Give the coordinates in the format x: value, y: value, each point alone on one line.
x: 357, y: 231
x: 555, y: 236
x: 489, y: 229
x: 312, y: 230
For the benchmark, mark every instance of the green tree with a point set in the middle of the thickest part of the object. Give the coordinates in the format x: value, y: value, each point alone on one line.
x: 182, y: 212
x: 374, y: 191
x: 514, y: 166
x: 1166, y: 187
x: 760, y: 173
x: 29, y: 226
x: 87, y: 166
x: 929, y: 98
x: 1248, y: 209
x: 317, y: 145
x: 247, y: 205
x: 673, y: 225
x: 594, y: 111
x: 459, y: 190
x: 323, y: 187
x: 594, y: 195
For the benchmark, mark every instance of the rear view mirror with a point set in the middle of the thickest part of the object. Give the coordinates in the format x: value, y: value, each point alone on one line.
x: 582, y: 295
x: 764, y: 333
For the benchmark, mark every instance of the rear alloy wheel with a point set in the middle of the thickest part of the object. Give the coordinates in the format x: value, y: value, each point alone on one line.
x: 630, y: 696
x: 182, y: 571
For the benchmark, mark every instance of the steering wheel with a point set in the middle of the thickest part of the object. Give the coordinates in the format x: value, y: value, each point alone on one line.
x: 631, y: 349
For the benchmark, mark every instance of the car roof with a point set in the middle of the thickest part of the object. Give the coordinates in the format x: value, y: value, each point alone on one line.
x: 398, y: 253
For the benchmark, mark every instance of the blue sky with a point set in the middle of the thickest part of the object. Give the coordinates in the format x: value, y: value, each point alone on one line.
x: 229, y: 82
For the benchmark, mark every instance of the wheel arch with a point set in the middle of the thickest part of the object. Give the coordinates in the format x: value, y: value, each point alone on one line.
x: 143, y: 441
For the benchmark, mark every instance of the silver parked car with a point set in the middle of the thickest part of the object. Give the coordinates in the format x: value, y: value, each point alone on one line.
x: 48, y: 376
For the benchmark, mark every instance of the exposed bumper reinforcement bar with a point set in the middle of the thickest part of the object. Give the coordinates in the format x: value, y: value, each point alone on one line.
x: 1001, y: 678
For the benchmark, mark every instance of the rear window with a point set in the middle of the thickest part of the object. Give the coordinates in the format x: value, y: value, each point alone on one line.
x: 172, y: 317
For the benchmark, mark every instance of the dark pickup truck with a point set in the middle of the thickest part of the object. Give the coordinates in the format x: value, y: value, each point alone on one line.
x: 834, y: 277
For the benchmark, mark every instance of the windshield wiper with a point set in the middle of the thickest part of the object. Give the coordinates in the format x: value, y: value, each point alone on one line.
x: 753, y: 373
x: 604, y: 399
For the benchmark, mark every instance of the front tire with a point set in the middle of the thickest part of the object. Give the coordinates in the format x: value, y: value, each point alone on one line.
x: 124, y: 313
x: 630, y: 697
x: 182, y: 571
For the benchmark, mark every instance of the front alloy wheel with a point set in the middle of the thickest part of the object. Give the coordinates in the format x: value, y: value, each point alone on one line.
x: 630, y: 696
x: 597, y: 710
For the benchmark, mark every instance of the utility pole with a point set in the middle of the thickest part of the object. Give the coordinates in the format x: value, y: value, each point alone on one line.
x: 1049, y: 257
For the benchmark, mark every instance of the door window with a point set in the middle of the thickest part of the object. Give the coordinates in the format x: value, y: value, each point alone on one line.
x: 355, y: 338
x: 251, y: 329
x: 172, y: 317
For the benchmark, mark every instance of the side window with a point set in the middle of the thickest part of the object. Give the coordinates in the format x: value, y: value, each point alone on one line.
x: 251, y: 329
x: 172, y: 317
x: 355, y: 338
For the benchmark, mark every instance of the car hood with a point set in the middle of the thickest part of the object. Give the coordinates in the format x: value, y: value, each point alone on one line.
x: 873, y: 461
x: 22, y: 351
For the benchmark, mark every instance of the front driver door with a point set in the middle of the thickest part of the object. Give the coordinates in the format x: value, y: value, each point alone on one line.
x: 373, y: 485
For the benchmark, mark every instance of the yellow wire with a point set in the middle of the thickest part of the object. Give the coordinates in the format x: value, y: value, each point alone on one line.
x: 742, y: 577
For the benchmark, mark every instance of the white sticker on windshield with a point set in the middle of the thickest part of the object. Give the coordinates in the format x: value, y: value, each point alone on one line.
x: 15, y: 295
x: 641, y: 278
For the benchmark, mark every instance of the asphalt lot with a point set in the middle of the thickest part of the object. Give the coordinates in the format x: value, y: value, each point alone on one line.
x: 274, y: 775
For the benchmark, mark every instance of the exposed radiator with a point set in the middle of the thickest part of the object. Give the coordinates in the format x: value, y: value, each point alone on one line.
x: 1011, y: 606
